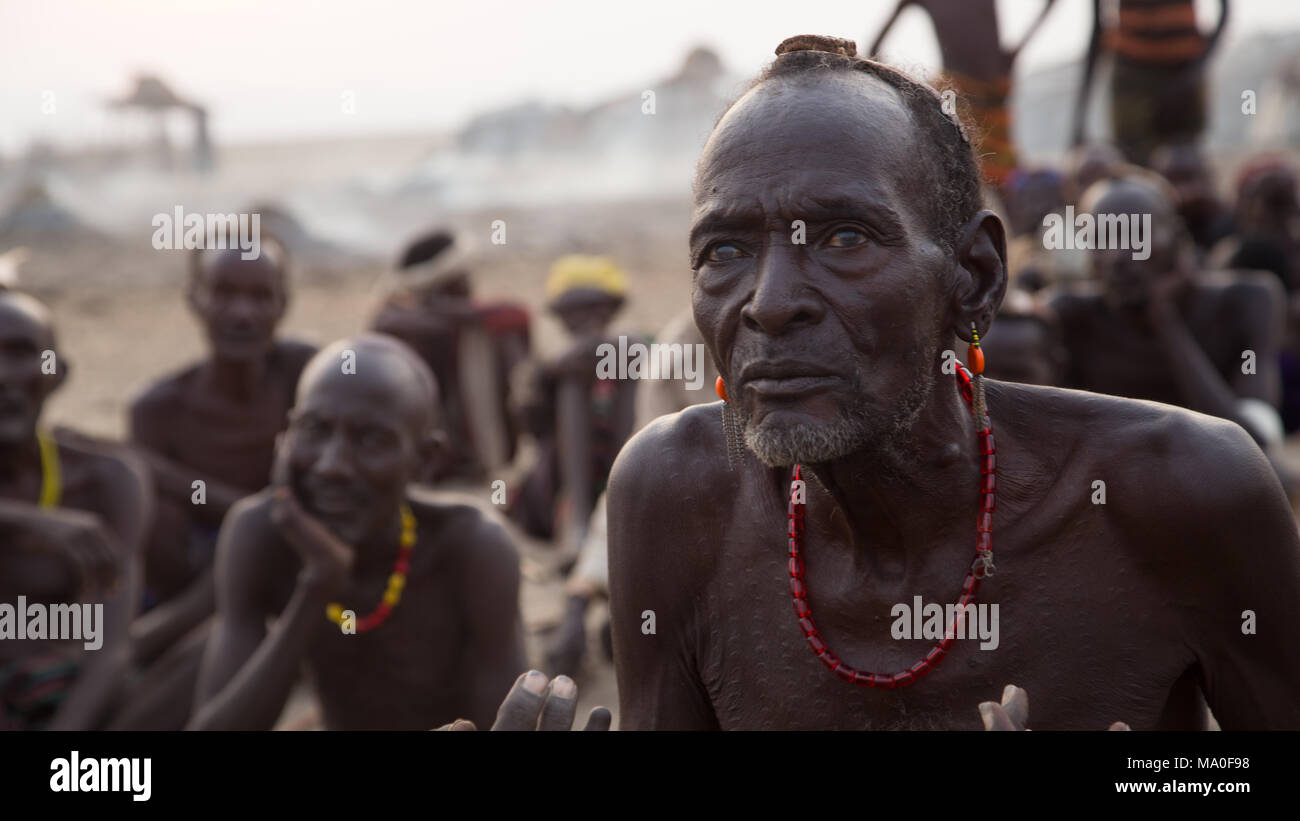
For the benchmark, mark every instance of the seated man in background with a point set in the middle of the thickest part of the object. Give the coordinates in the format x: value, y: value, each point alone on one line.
x: 208, y: 433
x: 579, y: 420
x: 72, y: 518
x: 1159, y: 329
x: 403, y: 608
x: 472, y: 348
x: 589, y: 578
x: 1024, y: 345
x: 1186, y: 168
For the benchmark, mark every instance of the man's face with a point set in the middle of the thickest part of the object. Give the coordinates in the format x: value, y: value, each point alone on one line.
x: 1127, y: 281
x: 586, y: 316
x: 829, y: 345
x: 1186, y: 171
x: 240, y: 303
x: 352, y: 448
x: 24, y: 335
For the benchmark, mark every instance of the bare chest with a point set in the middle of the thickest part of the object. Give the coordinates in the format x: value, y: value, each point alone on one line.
x: 1090, y: 638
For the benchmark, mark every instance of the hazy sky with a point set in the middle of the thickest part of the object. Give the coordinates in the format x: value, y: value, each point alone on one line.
x: 283, y: 68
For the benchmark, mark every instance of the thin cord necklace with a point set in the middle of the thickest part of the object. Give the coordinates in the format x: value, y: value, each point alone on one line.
x: 981, y: 568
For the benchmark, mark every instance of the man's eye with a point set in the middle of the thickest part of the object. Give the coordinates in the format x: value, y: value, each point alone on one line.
x: 310, y: 428
x: 376, y: 438
x: 847, y: 238
x: 723, y: 252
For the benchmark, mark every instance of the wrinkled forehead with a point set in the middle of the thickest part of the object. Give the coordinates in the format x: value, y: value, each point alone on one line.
x: 366, y: 381
x: 821, y: 134
x: 226, y: 267
x: 1127, y: 196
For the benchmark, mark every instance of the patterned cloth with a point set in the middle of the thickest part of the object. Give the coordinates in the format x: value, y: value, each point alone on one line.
x: 32, y: 688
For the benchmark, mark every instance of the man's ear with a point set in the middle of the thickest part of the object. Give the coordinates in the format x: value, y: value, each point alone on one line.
x: 981, y: 267
x: 433, y: 455
x: 60, y: 375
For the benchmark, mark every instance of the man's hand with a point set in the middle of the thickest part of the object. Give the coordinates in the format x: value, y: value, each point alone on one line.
x: 1013, y: 712
x: 535, y: 704
x: 326, y: 560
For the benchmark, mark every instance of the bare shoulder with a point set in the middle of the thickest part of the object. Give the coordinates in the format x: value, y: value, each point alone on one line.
x: 110, y: 478
x: 670, y: 457
x: 292, y: 356
x: 1242, y: 286
x: 109, y: 462
x: 1165, y: 470
x: 674, y: 464
x: 163, y: 396
x: 468, y: 527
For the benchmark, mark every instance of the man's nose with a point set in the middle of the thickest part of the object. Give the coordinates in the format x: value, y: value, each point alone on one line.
x: 334, y: 460
x: 242, y: 308
x: 781, y: 300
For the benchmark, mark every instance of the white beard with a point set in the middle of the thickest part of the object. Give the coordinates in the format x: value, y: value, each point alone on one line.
x: 855, y: 429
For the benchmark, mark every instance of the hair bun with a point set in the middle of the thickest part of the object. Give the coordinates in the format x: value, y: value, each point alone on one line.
x: 818, y: 42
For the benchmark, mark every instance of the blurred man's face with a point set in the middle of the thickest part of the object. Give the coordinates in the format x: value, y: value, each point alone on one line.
x: 1271, y: 207
x: 239, y: 303
x: 24, y: 335
x: 832, y: 344
x: 352, y: 447
x: 1186, y: 171
x: 584, y: 317
x: 1128, y: 281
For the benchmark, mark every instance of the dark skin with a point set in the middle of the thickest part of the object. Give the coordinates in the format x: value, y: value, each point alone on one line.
x: 328, y: 531
x: 87, y: 548
x: 587, y: 321
x: 1107, y: 613
x: 1155, y: 330
x: 215, y: 422
x: 1188, y: 171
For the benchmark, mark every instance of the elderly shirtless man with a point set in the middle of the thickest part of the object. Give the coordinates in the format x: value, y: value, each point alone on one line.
x: 72, y: 518
x: 403, y: 608
x: 833, y: 356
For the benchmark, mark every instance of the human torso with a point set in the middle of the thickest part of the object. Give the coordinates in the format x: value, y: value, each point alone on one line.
x: 412, y: 671
x: 1084, y: 619
x: 234, y: 441
x: 1110, y: 355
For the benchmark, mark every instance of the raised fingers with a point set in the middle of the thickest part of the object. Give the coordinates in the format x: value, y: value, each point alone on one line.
x: 560, y: 707
x: 523, y: 703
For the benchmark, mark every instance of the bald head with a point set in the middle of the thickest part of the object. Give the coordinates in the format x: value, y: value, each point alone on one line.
x: 363, y: 428
x: 1135, y: 192
x: 379, y: 367
x: 26, y: 315
x: 26, y: 334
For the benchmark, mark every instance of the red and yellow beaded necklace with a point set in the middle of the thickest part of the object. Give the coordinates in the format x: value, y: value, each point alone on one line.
x: 982, y: 567
x: 396, y: 581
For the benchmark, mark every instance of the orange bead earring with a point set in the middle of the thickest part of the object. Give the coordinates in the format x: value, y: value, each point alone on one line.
x: 975, y: 361
x: 721, y: 387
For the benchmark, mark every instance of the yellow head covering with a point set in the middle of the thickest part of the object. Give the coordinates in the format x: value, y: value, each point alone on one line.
x: 578, y: 271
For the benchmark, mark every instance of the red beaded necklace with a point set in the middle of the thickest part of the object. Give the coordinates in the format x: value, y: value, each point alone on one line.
x: 981, y: 567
